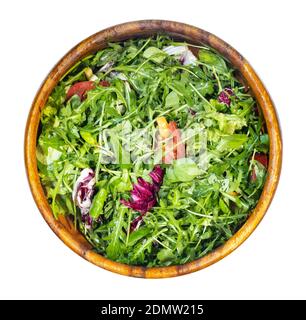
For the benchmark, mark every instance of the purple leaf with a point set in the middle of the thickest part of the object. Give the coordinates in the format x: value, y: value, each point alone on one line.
x: 224, y: 96
x: 144, y: 195
x: 192, y: 112
x: 83, y: 192
x: 157, y: 176
x: 135, y: 224
x: 184, y: 55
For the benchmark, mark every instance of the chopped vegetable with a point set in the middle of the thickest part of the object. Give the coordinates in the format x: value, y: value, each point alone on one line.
x: 185, y: 56
x: 80, y: 89
x: 89, y: 74
x: 154, y: 54
x: 179, y: 147
x: 262, y: 158
x: 225, y: 96
x: 144, y: 195
x: 173, y: 147
x: 107, y: 66
x: 163, y: 127
x: 104, y: 83
x: 183, y: 170
x: 83, y: 192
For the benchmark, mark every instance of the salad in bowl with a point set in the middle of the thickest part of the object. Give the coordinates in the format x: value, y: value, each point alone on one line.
x: 155, y: 148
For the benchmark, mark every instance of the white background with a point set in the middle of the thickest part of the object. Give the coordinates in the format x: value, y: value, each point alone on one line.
x: 34, y: 263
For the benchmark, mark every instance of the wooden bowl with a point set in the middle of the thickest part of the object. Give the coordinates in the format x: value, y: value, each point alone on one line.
x: 63, y: 227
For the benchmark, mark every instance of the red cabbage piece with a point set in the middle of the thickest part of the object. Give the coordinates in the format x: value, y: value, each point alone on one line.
x: 144, y: 195
x: 224, y: 96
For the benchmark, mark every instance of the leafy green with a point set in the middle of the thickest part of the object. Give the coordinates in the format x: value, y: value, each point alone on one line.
x: 183, y: 170
x: 172, y: 100
x: 138, y: 235
x: 154, y: 54
x: 165, y: 255
x: 87, y: 136
x: 114, y: 248
x: 232, y: 142
x: 98, y: 203
x: 212, y: 59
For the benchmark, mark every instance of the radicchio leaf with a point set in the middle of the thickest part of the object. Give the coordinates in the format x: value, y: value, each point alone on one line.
x: 143, y: 195
x: 135, y: 224
x: 83, y: 192
x: 192, y: 112
x: 185, y: 56
x: 157, y: 176
x: 224, y: 96
x: 107, y: 66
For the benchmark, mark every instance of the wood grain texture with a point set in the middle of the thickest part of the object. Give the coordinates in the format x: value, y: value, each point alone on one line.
x: 64, y: 228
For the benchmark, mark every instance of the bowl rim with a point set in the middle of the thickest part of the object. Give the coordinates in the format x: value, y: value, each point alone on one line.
x: 124, y: 31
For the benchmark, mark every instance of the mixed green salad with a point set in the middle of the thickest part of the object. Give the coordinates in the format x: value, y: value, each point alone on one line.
x: 155, y: 149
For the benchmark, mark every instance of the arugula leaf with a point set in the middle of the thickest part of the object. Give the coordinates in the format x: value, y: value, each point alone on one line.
x: 154, y: 54
x: 212, y: 59
x: 115, y: 246
x: 183, y: 170
x: 87, y: 136
x: 165, y: 255
x: 138, y: 235
x: 232, y: 142
x: 172, y: 100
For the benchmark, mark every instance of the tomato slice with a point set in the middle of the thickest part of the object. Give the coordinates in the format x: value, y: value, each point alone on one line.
x: 169, y: 152
x: 179, y: 147
x: 163, y: 127
x: 262, y: 158
x: 173, y: 148
x: 80, y: 89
